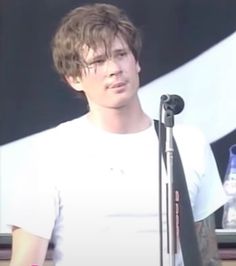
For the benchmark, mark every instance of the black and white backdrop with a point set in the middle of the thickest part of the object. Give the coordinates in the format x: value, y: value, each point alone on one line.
x: 188, y: 49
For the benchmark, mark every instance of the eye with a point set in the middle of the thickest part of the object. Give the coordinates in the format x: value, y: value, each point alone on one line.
x: 99, y: 61
x: 122, y: 54
x: 95, y: 62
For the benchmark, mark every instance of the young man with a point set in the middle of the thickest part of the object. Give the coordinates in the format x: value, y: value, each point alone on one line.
x: 92, y: 183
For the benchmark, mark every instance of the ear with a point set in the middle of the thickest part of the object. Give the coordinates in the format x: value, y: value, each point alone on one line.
x: 74, y: 83
x: 138, y: 66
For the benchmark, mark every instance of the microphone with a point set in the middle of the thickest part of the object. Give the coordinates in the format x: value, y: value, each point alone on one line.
x: 173, y: 102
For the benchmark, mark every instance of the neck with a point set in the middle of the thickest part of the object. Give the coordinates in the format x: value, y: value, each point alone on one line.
x: 119, y: 120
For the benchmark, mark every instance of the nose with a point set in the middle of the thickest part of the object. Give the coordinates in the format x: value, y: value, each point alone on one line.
x: 113, y: 67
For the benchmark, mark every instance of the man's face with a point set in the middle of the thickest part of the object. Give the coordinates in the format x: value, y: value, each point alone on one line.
x: 109, y: 81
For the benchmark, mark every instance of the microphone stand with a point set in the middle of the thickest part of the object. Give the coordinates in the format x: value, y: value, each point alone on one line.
x: 171, y: 211
x: 172, y: 104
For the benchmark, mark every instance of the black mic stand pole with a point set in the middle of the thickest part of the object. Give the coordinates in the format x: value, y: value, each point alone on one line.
x: 171, y: 212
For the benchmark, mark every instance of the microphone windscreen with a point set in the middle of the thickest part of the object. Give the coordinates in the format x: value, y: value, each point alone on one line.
x: 173, y: 102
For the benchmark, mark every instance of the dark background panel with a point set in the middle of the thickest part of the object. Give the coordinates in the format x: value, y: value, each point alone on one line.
x: 32, y: 96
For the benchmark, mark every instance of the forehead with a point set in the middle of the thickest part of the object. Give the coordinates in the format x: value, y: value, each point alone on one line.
x: 104, y: 48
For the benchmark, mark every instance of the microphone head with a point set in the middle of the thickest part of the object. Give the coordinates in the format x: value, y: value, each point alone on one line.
x: 173, y: 102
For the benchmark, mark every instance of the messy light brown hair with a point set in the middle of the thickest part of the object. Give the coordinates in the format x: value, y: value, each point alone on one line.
x: 92, y: 26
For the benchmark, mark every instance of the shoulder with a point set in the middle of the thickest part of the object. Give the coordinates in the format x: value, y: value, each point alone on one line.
x: 187, y: 133
x: 69, y: 128
x: 192, y: 144
x: 41, y: 150
x: 72, y: 124
x: 60, y: 134
x: 193, y: 148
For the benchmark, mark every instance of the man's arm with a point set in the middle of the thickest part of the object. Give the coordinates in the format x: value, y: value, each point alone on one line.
x: 27, y: 249
x: 207, y: 242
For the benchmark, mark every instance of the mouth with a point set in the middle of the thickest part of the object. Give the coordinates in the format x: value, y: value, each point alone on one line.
x: 117, y: 85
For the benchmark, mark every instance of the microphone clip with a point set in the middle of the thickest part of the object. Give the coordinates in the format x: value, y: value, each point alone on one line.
x: 173, y: 104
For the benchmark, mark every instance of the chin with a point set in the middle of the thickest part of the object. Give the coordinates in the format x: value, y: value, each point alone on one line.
x: 119, y: 104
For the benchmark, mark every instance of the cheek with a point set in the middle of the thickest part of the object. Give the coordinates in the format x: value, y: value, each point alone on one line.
x: 91, y: 79
x: 92, y: 86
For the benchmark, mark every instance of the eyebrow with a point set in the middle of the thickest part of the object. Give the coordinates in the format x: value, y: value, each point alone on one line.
x: 102, y: 56
x: 117, y: 51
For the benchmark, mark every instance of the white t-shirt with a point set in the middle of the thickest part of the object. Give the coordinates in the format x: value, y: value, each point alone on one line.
x: 96, y: 193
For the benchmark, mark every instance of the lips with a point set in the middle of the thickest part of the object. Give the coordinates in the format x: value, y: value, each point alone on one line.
x: 117, y: 85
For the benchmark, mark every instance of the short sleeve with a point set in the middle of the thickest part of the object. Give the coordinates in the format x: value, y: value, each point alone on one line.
x: 33, y: 200
x: 211, y: 195
x: 201, y: 172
